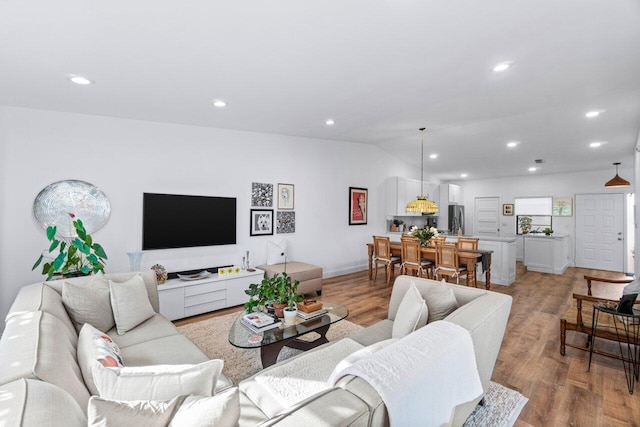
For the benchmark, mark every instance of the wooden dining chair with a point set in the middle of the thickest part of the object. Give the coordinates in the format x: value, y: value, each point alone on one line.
x: 412, y: 259
x: 436, y: 240
x: 468, y: 243
x: 382, y: 255
x: 447, y: 263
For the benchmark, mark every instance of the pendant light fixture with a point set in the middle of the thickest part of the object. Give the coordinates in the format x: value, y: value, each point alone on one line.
x: 616, y: 181
x: 422, y: 204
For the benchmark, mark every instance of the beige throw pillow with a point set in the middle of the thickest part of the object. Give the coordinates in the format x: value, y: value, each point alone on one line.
x: 441, y: 301
x: 158, y: 382
x: 130, y: 303
x: 95, y: 345
x: 412, y: 313
x: 222, y: 410
x: 89, y: 303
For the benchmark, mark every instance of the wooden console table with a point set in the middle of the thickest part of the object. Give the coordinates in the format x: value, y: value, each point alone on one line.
x: 467, y: 257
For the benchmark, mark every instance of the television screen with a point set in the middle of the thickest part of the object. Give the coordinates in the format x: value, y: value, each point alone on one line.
x: 177, y: 221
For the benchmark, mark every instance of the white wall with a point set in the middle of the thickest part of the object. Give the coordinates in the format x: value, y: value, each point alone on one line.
x: 556, y: 185
x: 126, y: 158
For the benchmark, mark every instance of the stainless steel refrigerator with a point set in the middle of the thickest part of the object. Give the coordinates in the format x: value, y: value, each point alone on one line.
x: 456, y: 219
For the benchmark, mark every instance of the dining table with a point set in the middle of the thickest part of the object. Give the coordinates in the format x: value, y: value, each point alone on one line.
x: 469, y: 258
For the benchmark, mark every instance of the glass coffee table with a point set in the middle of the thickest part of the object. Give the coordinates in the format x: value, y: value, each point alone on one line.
x: 286, y: 335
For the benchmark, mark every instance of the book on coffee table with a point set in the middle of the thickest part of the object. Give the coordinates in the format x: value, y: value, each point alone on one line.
x: 311, y: 315
x: 258, y: 319
x: 273, y: 325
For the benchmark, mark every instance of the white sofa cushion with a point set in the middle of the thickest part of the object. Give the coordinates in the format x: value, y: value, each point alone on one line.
x: 441, y: 301
x: 89, y: 303
x: 40, y: 297
x: 158, y: 382
x: 37, y: 345
x: 94, y: 345
x: 130, y: 303
x: 283, y: 385
x: 222, y: 410
x: 412, y: 313
x: 276, y: 251
x: 25, y: 403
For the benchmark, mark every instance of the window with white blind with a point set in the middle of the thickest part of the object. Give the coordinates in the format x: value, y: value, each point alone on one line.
x: 537, y: 209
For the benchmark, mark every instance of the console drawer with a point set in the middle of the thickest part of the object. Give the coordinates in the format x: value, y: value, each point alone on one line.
x: 205, y: 288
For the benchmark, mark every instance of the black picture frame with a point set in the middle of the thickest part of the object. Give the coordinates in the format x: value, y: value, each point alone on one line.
x: 358, y: 202
x: 261, y: 222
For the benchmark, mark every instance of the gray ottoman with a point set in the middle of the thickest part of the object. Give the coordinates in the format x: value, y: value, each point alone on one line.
x: 309, y: 276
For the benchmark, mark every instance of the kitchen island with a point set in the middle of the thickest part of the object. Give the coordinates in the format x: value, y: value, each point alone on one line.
x: 546, y: 254
x: 503, y: 259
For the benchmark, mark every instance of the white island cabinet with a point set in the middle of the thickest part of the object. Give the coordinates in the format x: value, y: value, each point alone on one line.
x: 546, y: 254
x: 184, y: 298
x: 503, y: 258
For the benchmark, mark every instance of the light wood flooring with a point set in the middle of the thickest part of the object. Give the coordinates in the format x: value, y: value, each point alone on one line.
x: 560, y: 390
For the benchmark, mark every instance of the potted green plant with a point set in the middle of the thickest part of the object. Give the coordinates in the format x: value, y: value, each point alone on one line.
x: 277, y: 289
x: 548, y: 231
x: 76, y: 256
x: 424, y: 234
x: 291, y: 310
x: 525, y: 224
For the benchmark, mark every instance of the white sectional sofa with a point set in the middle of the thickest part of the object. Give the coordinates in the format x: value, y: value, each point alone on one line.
x: 41, y: 382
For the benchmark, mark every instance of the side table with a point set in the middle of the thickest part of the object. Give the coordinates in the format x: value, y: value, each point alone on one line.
x: 627, y: 326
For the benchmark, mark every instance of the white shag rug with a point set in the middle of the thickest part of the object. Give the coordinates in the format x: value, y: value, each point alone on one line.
x: 501, y: 409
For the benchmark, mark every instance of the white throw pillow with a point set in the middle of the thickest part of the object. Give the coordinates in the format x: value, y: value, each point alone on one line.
x: 221, y: 410
x: 89, y: 303
x: 95, y: 345
x: 159, y: 382
x: 276, y: 252
x: 411, y: 312
x: 354, y: 357
x: 441, y: 301
x: 130, y: 303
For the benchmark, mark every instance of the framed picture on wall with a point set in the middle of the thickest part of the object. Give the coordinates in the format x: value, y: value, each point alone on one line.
x: 358, y: 199
x: 285, y: 197
x: 261, y: 222
x: 562, y: 206
x: 507, y: 209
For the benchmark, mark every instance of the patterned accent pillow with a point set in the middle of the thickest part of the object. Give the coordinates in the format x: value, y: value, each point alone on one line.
x: 94, y: 345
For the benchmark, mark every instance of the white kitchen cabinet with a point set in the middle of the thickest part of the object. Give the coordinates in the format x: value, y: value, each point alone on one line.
x: 400, y: 191
x: 546, y: 254
x: 180, y: 298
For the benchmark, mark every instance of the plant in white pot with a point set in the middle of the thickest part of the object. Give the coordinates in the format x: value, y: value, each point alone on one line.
x: 291, y: 310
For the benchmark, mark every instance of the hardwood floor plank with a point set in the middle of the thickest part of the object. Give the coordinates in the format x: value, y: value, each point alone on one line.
x: 560, y: 390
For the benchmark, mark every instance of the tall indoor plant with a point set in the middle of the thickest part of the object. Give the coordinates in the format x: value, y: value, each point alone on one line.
x: 78, y: 255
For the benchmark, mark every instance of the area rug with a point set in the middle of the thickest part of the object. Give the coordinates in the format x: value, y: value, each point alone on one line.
x: 502, y: 405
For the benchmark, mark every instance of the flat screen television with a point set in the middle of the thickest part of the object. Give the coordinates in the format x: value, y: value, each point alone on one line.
x: 179, y: 221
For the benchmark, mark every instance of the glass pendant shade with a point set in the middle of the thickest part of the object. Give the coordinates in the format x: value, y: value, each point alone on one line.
x: 422, y: 204
x: 616, y: 181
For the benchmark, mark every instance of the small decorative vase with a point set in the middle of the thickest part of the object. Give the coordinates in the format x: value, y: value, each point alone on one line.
x: 135, y: 258
x: 279, y: 308
x: 161, y: 273
x: 290, y: 316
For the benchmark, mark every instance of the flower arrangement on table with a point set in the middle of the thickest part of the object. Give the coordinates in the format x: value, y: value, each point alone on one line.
x: 424, y: 234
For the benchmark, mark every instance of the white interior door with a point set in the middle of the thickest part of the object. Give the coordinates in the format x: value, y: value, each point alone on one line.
x: 600, y: 231
x: 486, y: 218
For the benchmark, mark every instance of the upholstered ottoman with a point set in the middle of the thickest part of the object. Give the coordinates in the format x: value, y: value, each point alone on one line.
x: 309, y: 276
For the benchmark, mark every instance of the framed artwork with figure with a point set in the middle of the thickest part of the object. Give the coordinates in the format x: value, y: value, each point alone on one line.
x: 285, y: 197
x: 358, y: 199
x: 261, y: 222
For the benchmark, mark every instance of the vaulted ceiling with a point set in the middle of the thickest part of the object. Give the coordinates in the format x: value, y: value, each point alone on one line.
x: 381, y: 69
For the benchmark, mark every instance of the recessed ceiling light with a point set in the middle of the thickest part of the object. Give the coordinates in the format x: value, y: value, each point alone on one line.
x: 219, y: 103
x: 512, y: 144
x: 502, y: 66
x: 463, y: 175
x: 433, y: 156
x: 533, y: 169
x: 596, y: 144
x: 330, y: 122
x: 80, y: 80
x: 594, y: 113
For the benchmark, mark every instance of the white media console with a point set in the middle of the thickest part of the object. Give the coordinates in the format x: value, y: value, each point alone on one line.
x: 182, y: 298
